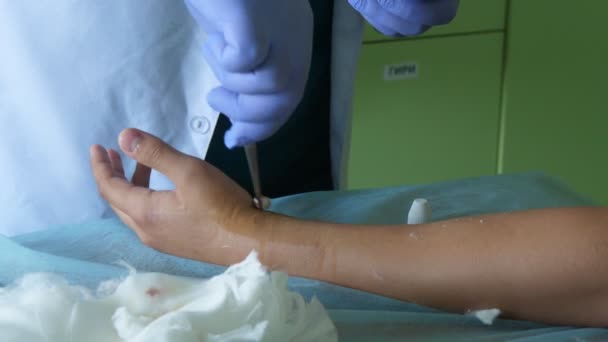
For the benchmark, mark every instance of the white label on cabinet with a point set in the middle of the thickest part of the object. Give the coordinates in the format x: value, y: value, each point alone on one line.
x: 401, y: 71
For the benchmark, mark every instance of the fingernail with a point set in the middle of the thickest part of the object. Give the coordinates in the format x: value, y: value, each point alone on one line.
x: 129, y: 140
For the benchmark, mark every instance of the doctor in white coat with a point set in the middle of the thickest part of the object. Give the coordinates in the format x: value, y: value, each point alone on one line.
x: 76, y: 72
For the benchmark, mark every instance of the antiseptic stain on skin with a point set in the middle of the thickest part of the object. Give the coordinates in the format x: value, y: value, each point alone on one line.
x: 415, y: 236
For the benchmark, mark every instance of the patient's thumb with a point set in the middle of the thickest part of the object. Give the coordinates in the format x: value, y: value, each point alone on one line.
x: 149, y: 150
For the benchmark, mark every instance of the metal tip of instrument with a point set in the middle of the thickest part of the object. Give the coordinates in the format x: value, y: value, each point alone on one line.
x: 259, y: 201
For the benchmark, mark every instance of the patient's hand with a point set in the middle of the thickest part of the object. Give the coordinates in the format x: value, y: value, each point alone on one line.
x: 191, y: 221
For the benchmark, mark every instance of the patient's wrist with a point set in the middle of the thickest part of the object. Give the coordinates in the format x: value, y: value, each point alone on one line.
x: 288, y: 244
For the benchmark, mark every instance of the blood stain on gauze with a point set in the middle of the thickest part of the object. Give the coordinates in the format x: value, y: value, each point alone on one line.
x: 244, y: 303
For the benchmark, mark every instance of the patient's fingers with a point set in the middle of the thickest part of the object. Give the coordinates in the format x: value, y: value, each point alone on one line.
x: 126, y: 219
x: 100, y: 163
x: 105, y: 173
x: 133, y: 201
x: 116, y: 163
x: 141, y: 176
x: 151, y: 151
x: 142, y: 209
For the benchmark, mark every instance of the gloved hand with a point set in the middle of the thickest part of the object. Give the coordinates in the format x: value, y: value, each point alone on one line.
x: 398, y: 18
x: 260, y: 51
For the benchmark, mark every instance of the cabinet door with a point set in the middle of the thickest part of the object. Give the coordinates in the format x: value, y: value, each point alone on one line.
x: 556, y: 89
x: 472, y: 16
x: 425, y: 110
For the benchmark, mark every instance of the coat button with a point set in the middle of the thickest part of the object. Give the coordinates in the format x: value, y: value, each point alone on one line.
x: 200, y: 124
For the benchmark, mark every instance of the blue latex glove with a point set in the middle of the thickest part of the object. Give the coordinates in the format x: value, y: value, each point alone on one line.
x: 399, y: 18
x: 260, y: 51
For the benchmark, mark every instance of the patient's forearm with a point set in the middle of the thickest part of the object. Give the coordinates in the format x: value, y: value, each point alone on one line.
x: 544, y: 265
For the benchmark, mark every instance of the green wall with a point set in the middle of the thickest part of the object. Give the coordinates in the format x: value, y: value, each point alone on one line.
x: 509, y: 86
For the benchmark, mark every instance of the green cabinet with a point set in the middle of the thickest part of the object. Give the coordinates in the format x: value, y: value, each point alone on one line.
x: 452, y: 104
x: 473, y: 16
x: 556, y: 92
x: 426, y: 110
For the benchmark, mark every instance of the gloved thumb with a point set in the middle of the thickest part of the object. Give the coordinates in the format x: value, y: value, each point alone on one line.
x: 245, y: 133
x: 154, y: 153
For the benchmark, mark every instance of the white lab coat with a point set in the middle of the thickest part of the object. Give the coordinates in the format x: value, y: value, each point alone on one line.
x: 76, y: 72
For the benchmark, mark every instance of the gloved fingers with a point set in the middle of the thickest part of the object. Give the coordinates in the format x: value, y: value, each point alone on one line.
x: 250, y: 108
x: 423, y: 12
x: 254, y: 49
x: 247, y: 46
x: 269, y: 77
x: 239, y: 43
x: 254, y: 117
x: 385, y: 30
x: 236, y: 53
x: 245, y: 133
x: 371, y: 9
